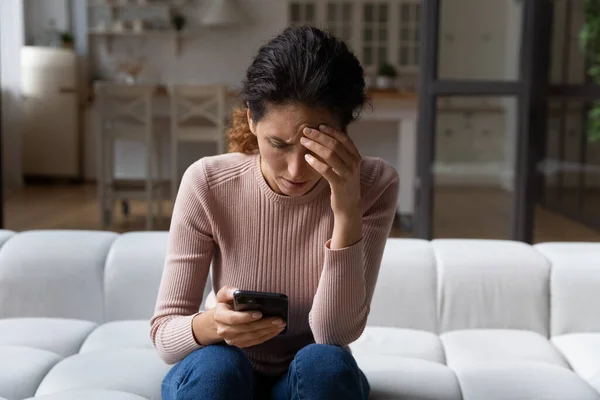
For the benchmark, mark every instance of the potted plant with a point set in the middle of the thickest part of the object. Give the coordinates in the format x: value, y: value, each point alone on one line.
x: 67, y: 40
x: 589, y: 37
x: 178, y: 21
x: 386, y: 76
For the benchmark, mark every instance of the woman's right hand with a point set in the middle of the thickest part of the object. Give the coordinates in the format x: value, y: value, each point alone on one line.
x: 242, y: 328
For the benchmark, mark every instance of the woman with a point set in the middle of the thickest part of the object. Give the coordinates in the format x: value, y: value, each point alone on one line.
x: 293, y: 209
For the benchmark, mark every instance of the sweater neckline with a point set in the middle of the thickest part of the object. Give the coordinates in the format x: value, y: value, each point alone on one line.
x: 272, y: 195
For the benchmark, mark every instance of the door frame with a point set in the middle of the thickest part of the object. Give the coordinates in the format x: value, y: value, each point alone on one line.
x: 1, y: 144
x: 530, y: 90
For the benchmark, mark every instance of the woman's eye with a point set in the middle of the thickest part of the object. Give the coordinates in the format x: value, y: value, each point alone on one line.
x: 279, y: 145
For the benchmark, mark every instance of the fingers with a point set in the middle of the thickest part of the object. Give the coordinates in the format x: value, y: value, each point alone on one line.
x: 250, y: 334
x: 224, y: 314
x: 326, y: 154
x: 322, y: 168
x: 342, y: 138
x: 256, y: 337
x: 225, y: 294
x: 327, y: 147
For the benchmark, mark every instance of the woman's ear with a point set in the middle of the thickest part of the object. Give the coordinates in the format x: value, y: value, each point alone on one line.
x: 250, y: 122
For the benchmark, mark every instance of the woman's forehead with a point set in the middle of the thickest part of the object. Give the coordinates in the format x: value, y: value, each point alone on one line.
x: 287, y: 121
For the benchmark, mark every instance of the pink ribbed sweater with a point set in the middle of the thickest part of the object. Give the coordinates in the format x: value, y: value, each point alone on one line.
x: 258, y: 240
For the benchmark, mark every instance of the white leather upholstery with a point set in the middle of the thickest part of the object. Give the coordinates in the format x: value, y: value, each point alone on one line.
x: 582, y: 351
x: 412, y: 281
x: 119, y: 335
x: 133, y: 270
x: 489, y: 284
x: 90, y: 395
x: 575, y: 284
x: 485, y: 346
x: 22, y: 369
x: 406, y: 343
x: 137, y: 371
x: 450, y: 319
x: 57, y: 335
x: 54, y: 274
x: 522, y: 380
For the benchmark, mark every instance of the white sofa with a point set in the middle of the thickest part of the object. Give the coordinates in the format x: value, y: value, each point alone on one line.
x: 451, y: 319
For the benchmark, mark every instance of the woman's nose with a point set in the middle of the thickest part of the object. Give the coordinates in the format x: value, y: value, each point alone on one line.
x: 297, y: 166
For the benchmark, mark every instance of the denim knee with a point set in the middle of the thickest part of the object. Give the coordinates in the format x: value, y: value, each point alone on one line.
x: 323, y: 371
x: 212, y: 372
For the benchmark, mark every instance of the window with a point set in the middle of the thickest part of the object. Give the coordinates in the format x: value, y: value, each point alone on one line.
x: 339, y: 19
x: 408, y: 51
x: 377, y: 30
x: 302, y: 13
x: 375, y: 33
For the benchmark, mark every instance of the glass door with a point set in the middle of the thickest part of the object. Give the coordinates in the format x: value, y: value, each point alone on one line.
x: 480, y: 93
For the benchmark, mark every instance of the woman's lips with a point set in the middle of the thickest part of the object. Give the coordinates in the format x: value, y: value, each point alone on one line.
x: 295, y: 184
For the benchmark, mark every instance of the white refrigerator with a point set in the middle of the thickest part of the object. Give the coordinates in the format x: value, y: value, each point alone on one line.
x: 50, y: 90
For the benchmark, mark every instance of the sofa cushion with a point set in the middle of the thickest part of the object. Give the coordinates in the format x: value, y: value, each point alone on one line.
x: 492, y: 284
x: 574, y: 286
x: 482, y: 346
x: 521, y: 380
x: 54, y: 274
x: 399, y: 342
x: 61, y: 336
x: 118, y: 335
x: 412, y: 281
x: 133, y: 271
x: 4, y: 236
x: 22, y: 369
x: 582, y: 351
x: 137, y: 371
x: 397, y: 377
x: 90, y: 395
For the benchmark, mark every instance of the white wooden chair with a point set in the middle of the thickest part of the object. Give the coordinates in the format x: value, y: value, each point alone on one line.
x: 197, y: 116
x: 126, y: 113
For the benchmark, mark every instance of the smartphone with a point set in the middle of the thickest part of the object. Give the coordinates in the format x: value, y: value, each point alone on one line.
x: 269, y: 304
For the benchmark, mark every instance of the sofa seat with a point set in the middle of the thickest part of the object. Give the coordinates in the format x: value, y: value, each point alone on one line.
x: 582, y: 351
x: 450, y: 319
x: 465, y: 364
x: 404, y: 361
x: 400, y: 342
x: 22, y: 369
x: 64, y: 359
x: 90, y: 395
x: 514, y: 364
x: 119, y: 335
x: 136, y: 371
x: 61, y: 336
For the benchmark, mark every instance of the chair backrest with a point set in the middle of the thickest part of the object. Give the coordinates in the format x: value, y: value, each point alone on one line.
x: 198, y: 113
x: 125, y: 105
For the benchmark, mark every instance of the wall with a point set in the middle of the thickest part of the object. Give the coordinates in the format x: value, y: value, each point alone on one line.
x: 12, y: 38
x: 471, y: 147
x: 212, y: 55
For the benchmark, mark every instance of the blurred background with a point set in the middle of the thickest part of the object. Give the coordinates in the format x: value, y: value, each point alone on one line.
x: 487, y: 108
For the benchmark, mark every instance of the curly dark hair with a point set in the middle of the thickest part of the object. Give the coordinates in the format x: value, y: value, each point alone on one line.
x: 302, y: 65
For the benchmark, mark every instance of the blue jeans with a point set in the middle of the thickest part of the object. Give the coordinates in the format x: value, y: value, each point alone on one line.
x: 221, y: 372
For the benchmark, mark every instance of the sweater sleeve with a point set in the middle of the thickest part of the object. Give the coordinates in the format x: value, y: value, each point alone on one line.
x: 343, y: 298
x: 189, y: 254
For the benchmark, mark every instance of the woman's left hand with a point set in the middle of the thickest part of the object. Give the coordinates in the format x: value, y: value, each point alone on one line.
x: 337, y: 160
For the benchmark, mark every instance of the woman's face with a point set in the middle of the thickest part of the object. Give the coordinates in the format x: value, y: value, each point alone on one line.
x: 282, y: 156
